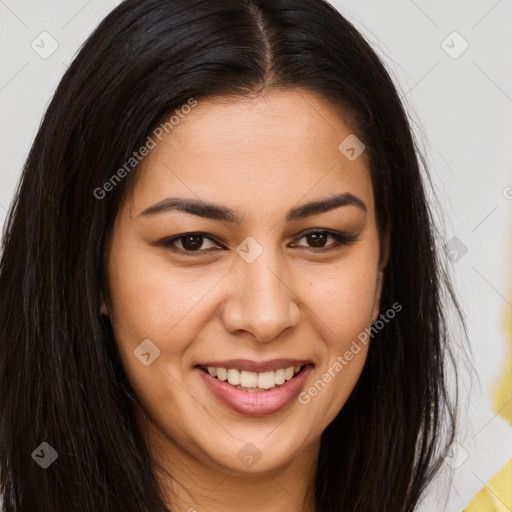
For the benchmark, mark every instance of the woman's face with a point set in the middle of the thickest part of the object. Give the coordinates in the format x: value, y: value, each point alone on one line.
x: 265, y: 287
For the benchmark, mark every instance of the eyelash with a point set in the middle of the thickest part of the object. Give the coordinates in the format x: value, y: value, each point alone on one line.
x: 339, y: 237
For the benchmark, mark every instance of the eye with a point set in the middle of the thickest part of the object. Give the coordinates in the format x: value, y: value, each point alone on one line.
x: 318, y: 238
x: 189, y: 242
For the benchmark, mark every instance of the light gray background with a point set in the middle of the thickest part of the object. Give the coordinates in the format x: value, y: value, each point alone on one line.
x: 461, y: 109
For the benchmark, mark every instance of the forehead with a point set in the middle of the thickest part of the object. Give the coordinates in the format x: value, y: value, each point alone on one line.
x: 282, y: 144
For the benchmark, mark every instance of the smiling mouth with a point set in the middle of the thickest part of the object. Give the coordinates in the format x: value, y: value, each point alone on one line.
x: 253, y: 381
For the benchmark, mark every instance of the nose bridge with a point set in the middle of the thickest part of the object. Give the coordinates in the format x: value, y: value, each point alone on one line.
x: 263, y: 301
x: 263, y: 279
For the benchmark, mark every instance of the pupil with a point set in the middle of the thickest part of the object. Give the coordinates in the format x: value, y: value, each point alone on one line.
x: 318, y: 239
x: 188, y: 242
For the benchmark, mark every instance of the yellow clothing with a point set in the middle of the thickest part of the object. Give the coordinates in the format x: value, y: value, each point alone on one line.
x: 496, y: 496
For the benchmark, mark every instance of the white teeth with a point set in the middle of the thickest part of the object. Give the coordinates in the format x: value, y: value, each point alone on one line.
x: 248, y: 379
x: 280, y: 378
x: 252, y: 381
x: 266, y: 380
x: 288, y: 372
x: 233, y: 377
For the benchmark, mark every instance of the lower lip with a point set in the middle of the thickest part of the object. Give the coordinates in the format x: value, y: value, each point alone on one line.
x: 257, y: 403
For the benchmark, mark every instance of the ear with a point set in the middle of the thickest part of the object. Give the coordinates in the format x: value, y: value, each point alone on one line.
x: 103, y: 309
x: 380, y: 276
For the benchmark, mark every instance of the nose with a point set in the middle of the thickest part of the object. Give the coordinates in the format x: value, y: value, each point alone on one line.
x: 261, y: 302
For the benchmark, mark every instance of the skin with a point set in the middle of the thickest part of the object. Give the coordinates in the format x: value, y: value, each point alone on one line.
x: 259, y: 157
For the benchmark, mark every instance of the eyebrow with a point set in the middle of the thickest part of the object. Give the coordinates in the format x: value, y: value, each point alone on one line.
x: 222, y: 213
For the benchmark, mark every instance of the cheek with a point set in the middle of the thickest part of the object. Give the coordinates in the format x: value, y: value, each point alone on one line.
x: 343, y: 295
x: 341, y: 298
x: 152, y: 299
x: 150, y: 302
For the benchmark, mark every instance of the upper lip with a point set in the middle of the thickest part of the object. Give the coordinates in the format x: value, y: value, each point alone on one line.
x: 255, y: 366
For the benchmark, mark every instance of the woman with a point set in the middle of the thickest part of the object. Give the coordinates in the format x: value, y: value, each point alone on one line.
x: 220, y: 287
